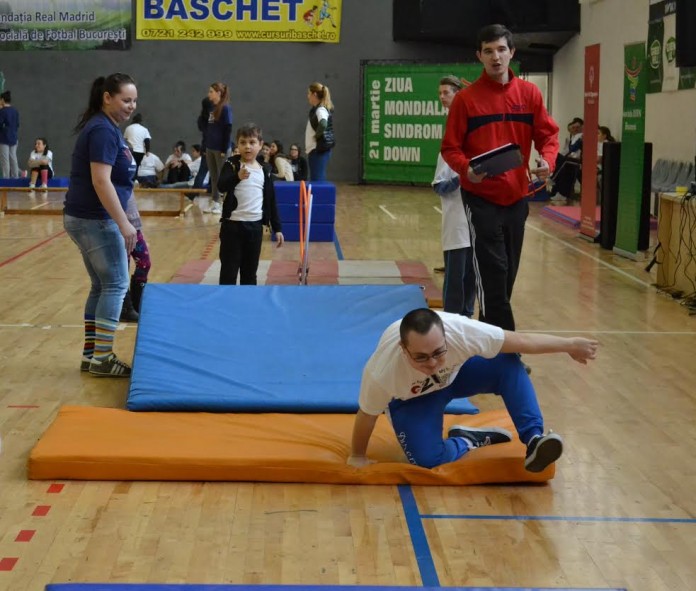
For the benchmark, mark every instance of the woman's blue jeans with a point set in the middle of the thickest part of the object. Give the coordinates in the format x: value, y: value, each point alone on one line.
x: 103, y: 251
x: 317, y: 165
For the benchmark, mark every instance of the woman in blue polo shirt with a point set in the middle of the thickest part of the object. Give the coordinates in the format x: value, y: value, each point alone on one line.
x: 101, y: 182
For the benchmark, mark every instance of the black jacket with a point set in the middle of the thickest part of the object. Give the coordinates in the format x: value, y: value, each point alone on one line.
x: 228, y: 181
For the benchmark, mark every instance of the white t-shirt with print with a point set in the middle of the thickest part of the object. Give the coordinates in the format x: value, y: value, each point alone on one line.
x: 388, y: 374
x: 455, y: 226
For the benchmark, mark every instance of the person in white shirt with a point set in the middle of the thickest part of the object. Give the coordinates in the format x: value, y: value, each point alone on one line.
x: 138, y: 138
x: 150, y: 170
x: 429, y: 358
x: 40, y: 164
x: 459, y: 287
x: 176, y: 165
x: 194, y: 167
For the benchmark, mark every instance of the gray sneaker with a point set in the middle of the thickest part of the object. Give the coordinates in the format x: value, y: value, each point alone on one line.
x: 111, y: 367
x: 84, y: 364
x: 542, y: 451
x: 480, y: 437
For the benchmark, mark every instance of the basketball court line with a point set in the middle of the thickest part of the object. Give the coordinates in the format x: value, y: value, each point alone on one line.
x: 570, y: 518
x: 389, y: 213
x: 590, y: 256
x: 31, y: 248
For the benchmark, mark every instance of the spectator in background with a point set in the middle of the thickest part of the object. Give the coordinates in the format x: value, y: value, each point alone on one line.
x: 150, y: 171
x: 9, y: 136
x: 604, y: 135
x: 280, y: 165
x: 40, y: 164
x: 194, y: 167
x: 298, y: 163
x: 319, y: 134
x: 218, y: 134
x: 459, y: 287
x: 200, y: 177
x: 138, y: 138
x: 176, y: 167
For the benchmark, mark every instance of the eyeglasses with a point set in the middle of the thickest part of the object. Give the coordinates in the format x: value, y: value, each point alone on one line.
x: 423, y: 358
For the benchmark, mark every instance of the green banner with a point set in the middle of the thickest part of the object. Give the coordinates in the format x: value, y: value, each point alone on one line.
x: 632, y: 149
x: 65, y: 24
x: 403, y: 120
x: 664, y: 75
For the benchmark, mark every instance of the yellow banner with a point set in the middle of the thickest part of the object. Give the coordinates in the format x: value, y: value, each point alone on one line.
x: 239, y: 20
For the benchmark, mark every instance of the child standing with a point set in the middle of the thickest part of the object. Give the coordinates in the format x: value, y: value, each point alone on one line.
x: 249, y: 205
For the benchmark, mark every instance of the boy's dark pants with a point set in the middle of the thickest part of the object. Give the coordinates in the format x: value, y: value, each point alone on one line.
x: 240, y: 249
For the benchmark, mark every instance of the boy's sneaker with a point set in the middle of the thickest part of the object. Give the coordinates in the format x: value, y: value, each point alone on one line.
x: 542, y: 451
x: 84, y: 364
x: 111, y: 367
x: 480, y: 437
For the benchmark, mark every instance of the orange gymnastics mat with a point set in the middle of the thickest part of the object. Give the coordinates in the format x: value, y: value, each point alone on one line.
x: 86, y: 443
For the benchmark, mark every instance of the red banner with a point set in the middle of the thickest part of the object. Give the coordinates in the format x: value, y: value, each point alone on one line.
x: 588, y: 199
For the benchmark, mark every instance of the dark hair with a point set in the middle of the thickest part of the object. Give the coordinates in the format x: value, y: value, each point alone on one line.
x: 605, y: 130
x: 196, y: 147
x: 278, y: 145
x: 299, y: 150
x: 111, y: 84
x: 493, y: 33
x: 224, y: 98
x: 249, y: 130
x: 180, y: 144
x: 45, y: 143
x: 577, y: 120
x: 420, y: 320
x: 453, y: 81
x: 6, y: 96
x: 137, y: 118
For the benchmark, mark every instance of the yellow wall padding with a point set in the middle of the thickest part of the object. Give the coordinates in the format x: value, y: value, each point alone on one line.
x: 86, y: 443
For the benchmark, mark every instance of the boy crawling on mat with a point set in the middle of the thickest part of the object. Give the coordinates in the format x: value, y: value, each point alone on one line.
x: 430, y: 358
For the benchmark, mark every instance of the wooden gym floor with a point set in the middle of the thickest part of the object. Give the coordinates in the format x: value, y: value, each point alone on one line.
x: 621, y: 512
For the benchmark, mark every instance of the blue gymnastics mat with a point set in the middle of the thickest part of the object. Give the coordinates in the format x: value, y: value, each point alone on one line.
x: 280, y: 348
x: 135, y: 587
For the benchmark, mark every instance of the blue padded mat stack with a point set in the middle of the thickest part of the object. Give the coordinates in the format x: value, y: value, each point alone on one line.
x: 279, y: 348
x: 321, y: 228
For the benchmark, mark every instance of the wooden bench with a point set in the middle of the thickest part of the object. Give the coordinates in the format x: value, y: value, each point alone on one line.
x: 184, y: 203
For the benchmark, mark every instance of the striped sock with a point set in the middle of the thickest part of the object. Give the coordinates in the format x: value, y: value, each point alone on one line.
x: 104, y: 330
x: 88, y: 350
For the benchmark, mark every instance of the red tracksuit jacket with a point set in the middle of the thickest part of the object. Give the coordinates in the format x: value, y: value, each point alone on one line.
x: 487, y: 115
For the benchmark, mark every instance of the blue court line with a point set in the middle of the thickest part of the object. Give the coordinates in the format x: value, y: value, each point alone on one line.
x: 337, y: 244
x: 421, y: 549
x: 561, y: 518
x: 194, y: 587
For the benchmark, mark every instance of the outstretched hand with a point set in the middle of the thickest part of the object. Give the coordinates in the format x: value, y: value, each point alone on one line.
x: 581, y: 349
x: 359, y: 461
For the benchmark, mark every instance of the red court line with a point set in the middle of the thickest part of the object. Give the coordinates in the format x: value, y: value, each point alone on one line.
x: 41, y: 510
x: 28, y: 250
x: 55, y: 488
x: 7, y: 563
x: 25, y: 535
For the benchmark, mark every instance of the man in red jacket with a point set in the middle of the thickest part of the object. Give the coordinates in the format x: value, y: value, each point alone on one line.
x: 497, y: 109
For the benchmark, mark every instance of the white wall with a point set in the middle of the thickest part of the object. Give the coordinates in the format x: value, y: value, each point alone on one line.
x: 670, y: 122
